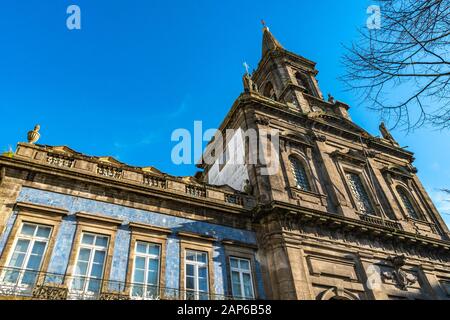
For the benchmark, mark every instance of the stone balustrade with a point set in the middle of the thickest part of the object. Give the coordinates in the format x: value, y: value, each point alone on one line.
x: 66, y: 159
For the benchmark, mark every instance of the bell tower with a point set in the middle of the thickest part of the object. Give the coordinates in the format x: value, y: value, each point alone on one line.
x: 286, y: 77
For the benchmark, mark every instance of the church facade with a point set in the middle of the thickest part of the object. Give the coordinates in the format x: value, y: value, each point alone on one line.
x: 342, y: 216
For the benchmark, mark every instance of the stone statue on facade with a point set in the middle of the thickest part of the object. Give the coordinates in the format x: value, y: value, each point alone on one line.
x: 248, y: 188
x: 331, y: 99
x: 249, y: 84
x: 386, y: 134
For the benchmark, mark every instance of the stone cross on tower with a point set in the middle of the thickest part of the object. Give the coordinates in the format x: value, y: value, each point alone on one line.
x: 246, y: 66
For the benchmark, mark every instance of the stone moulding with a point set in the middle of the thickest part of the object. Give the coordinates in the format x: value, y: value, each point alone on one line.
x: 292, y: 219
x: 41, y: 208
x: 98, y: 217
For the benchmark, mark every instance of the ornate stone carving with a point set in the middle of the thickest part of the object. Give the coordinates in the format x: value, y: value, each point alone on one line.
x: 398, y: 275
x: 113, y: 296
x: 59, y: 161
x: 262, y: 121
x: 109, y: 172
x: 50, y: 292
x: 34, y: 135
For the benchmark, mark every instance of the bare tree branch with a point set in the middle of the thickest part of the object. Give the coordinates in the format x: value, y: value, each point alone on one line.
x: 402, y: 70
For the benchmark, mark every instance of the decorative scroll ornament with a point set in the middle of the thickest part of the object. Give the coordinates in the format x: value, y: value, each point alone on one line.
x: 34, y: 135
x: 403, y: 279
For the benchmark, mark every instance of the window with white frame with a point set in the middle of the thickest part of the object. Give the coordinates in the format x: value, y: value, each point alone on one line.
x: 241, y: 278
x: 146, y: 270
x: 360, y: 194
x: 90, y: 264
x: 196, y: 275
x: 25, y: 260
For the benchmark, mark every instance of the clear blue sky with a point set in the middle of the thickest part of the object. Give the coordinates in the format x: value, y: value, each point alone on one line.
x: 139, y: 69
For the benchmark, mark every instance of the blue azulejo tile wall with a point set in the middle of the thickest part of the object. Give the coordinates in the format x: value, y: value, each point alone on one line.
x: 119, y: 264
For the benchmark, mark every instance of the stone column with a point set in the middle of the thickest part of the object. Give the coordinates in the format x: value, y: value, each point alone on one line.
x: 385, y: 189
x: 338, y: 191
x: 9, y: 191
x: 430, y: 283
x: 431, y: 206
x: 371, y: 279
x: 300, y: 274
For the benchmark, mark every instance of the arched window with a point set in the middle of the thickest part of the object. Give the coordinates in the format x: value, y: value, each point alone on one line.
x: 269, y: 91
x: 302, y: 81
x: 407, y: 203
x: 299, y: 172
x: 359, y: 193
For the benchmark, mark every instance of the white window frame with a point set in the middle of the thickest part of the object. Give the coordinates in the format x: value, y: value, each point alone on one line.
x: 147, y: 257
x: 87, y: 277
x: 241, y: 277
x: 196, y: 265
x: 32, y: 239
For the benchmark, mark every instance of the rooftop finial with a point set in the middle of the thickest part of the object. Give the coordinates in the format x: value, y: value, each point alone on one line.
x: 33, y: 135
x: 264, y: 24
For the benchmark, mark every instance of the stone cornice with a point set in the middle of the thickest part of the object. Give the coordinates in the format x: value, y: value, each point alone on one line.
x: 335, y: 221
x: 98, y: 217
x: 135, y: 225
x: 196, y: 236
x: 215, y: 199
x: 41, y: 208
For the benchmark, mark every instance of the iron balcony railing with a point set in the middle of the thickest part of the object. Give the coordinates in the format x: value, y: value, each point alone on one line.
x: 30, y: 284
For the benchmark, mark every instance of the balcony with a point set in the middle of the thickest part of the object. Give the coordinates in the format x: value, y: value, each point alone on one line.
x: 35, y: 285
x: 380, y: 222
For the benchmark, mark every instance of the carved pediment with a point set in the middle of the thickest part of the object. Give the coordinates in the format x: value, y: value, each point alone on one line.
x: 110, y: 160
x: 64, y: 150
x: 350, y: 155
x: 341, y: 123
x: 297, y: 138
x: 190, y: 180
x: 152, y: 170
x: 399, y: 171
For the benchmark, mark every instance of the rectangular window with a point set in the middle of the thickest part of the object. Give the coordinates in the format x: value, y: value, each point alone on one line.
x: 90, y: 264
x: 196, y: 275
x: 146, y: 271
x: 359, y: 193
x: 241, y: 278
x: 26, y: 259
